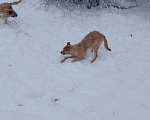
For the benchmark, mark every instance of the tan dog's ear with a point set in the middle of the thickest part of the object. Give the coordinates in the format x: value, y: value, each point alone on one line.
x: 68, y: 43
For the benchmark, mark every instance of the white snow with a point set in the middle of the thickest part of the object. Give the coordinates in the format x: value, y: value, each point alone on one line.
x: 34, y: 85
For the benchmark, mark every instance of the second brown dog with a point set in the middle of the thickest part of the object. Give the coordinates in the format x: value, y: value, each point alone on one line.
x: 78, y: 51
x: 6, y: 10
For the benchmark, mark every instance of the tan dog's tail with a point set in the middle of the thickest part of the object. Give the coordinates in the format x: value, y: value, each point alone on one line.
x: 106, y: 45
x: 15, y: 3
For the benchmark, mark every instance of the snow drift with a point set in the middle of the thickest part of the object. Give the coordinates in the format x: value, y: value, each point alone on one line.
x: 35, y: 85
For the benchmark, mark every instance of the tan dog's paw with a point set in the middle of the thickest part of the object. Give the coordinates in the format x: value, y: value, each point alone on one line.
x: 62, y: 61
x: 92, y: 61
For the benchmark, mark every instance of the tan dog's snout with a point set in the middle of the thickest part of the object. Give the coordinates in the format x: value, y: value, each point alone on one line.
x: 62, y: 52
x: 13, y: 14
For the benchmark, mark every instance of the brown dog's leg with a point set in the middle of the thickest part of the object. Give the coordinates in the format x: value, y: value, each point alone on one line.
x: 95, y: 55
x: 66, y: 58
x: 5, y: 21
x: 77, y: 59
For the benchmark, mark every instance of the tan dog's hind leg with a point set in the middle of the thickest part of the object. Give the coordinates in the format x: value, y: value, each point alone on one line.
x: 95, y: 47
x: 95, y: 55
x: 66, y: 58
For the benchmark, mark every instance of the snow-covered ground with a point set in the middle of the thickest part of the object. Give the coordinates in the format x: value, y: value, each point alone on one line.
x: 34, y: 85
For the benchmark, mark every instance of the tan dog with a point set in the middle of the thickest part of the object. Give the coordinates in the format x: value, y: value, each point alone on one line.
x: 7, y: 11
x: 78, y: 51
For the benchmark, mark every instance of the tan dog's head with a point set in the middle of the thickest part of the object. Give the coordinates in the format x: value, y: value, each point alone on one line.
x: 10, y: 12
x: 68, y: 49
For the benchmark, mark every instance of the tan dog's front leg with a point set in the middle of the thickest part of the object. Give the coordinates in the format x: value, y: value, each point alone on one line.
x: 66, y: 58
x: 77, y: 59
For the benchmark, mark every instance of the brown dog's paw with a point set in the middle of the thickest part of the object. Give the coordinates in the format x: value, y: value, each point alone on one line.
x: 92, y: 61
x: 62, y: 61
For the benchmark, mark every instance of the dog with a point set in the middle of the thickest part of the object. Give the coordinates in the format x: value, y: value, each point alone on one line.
x: 78, y: 51
x: 6, y: 10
